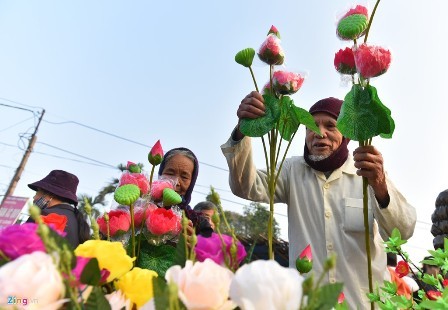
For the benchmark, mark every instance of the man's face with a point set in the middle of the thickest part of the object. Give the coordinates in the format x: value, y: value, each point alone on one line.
x: 323, y: 146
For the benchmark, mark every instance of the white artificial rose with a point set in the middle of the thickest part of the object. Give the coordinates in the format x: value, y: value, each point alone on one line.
x: 31, y: 281
x: 264, y: 284
x: 202, y: 285
x: 118, y: 301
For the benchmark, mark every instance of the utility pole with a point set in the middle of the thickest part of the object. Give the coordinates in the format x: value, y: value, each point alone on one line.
x: 18, y: 174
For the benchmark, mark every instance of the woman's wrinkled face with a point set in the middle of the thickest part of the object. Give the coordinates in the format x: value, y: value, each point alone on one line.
x: 181, y: 168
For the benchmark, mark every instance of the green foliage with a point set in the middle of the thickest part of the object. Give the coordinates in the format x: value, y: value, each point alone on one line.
x: 158, y: 258
x: 91, y: 274
x: 245, y: 57
x: 260, y: 126
x: 96, y: 300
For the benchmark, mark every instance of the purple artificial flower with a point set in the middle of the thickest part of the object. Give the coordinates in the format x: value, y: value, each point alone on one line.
x: 17, y: 240
x: 212, y: 248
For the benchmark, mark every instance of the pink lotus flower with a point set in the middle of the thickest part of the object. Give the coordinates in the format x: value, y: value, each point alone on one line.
x: 212, y: 248
x: 274, y: 31
x: 133, y: 167
x: 18, y: 240
x: 158, y: 186
x: 138, y: 179
x: 402, y: 269
x: 119, y: 223
x: 371, y: 61
x: 143, y: 213
x: 271, y: 52
x: 359, y: 9
x: 162, y: 221
x: 155, y: 156
x: 287, y: 83
x: 344, y: 61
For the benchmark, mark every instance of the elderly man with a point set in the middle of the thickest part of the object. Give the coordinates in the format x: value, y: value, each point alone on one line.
x: 324, y: 197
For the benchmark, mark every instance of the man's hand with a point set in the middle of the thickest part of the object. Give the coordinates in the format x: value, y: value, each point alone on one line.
x: 252, y: 106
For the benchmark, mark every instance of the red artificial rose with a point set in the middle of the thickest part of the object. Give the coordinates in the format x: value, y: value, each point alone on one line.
x: 119, y: 222
x: 433, y: 295
x: 287, y: 83
x: 162, y: 221
x: 344, y: 61
x: 271, y: 52
x: 56, y: 221
x: 371, y: 61
x: 402, y: 269
x: 142, y: 213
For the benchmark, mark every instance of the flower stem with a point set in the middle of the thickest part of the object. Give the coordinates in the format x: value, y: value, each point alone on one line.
x: 131, y: 208
x: 151, y: 176
x: 370, y: 20
x: 253, y: 78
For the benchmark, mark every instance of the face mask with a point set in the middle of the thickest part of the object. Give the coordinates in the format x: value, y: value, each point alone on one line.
x: 41, y: 202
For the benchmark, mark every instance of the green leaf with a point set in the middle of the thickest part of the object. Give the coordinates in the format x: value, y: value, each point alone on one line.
x: 328, y: 295
x: 91, y: 274
x: 289, y: 122
x: 96, y: 300
x: 364, y: 116
x: 306, y: 119
x: 401, y: 302
x: 260, y: 126
x: 390, y: 287
x: 161, y: 293
x: 181, y: 256
x: 158, y: 258
x: 245, y: 57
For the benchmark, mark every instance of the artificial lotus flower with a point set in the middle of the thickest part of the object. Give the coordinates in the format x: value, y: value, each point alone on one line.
x: 133, y: 167
x: 212, y: 248
x: 110, y: 255
x: 155, y: 156
x: 55, y: 221
x: 254, y: 284
x: 353, y: 24
x: 142, y: 213
x: 270, y: 51
x: 162, y: 221
x: 202, y: 285
x: 138, y: 179
x: 17, y: 240
x: 445, y: 283
x: 274, y: 31
x: 344, y: 61
x: 287, y: 83
x: 402, y: 268
x: 304, y: 262
x: 371, y: 61
x: 158, y: 186
x: 119, y: 223
x: 136, y: 285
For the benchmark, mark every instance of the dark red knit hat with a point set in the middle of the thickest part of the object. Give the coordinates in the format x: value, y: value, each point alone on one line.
x: 329, y: 105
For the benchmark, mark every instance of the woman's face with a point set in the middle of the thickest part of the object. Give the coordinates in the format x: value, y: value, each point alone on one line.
x: 181, y: 168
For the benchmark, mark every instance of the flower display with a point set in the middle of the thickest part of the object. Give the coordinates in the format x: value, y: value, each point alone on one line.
x: 55, y: 221
x: 271, y: 51
x: 266, y: 285
x: 138, y: 179
x: 304, y: 262
x: 211, y: 248
x: 344, y: 61
x: 155, y: 156
x: 371, y: 61
x: 119, y: 223
x: 202, y: 285
x: 32, y: 277
x: 162, y: 221
x: 402, y: 269
x: 136, y: 285
x: 26, y: 234
x: 287, y: 83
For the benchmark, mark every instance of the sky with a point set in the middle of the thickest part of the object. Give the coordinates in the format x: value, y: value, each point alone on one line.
x: 116, y: 76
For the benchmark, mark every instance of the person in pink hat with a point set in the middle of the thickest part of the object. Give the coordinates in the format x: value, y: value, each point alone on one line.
x: 56, y: 193
x: 323, y: 193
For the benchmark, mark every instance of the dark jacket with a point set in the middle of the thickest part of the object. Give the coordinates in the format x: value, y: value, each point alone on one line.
x: 439, y: 219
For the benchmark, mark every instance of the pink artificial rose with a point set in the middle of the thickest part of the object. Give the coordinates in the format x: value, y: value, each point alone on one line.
x: 344, y: 61
x: 155, y: 156
x: 17, y: 240
x: 371, y: 61
x: 158, y: 186
x: 287, y: 83
x: 162, y: 221
x: 271, y: 52
x: 119, y: 222
x: 211, y: 247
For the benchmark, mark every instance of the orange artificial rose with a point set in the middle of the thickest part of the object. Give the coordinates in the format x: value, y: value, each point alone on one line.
x: 56, y: 221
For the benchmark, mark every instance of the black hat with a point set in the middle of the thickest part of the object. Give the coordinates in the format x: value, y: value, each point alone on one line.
x: 60, y: 183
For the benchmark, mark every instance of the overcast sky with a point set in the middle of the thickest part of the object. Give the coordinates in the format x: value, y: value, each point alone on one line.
x: 116, y: 76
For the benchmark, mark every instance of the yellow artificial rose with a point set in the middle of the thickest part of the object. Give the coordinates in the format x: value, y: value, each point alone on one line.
x: 110, y: 255
x: 137, y: 285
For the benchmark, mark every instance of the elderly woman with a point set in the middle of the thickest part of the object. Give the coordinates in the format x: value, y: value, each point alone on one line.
x: 181, y: 165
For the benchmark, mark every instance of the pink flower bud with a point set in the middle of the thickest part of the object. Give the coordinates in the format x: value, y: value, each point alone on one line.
x: 271, y: 52
x: 307, y: 253
x: 155, y: 156
x: 344, y: 61
x: 287, y: 83
x: 371, y: 61
x: 274, y: 31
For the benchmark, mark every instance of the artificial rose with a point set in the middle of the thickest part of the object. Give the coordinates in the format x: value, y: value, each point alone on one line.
x: 271, y: 52
x: 304, y: 262
x: 155, y: 156
x: 344, y: 61
x: 402, y: 269
x: 212, y: 248
x: 158, y: 186
x: 371, y: 61
x: 202, y: 285
x: 162, y: 221
x: 264, y: 284
x: 34, y: 278
x: 110, y: 255
x: 287, y: 83
x: 55, y: 221
x: 17, y: 240
x: 142, y: 213
x: 137, y: 285
x: 138, y: 179
x: 119, y: 223
x: 118, y: 301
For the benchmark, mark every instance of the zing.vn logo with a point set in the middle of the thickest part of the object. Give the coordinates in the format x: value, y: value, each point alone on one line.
x: 13, y: 300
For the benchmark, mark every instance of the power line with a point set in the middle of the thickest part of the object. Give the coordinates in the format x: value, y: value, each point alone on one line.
x: 4, y: 129
x: 19, y: 108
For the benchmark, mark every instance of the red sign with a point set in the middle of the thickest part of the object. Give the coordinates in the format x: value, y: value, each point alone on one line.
x: 10, y: 210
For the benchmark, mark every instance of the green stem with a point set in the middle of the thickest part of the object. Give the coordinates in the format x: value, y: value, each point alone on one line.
x: 266, y: 156
x: 284, y: 157
x: 253, y: 78
x: 370, y: 20
x: 271, y: 187
x: 132, y: 230
x: 151, y: 176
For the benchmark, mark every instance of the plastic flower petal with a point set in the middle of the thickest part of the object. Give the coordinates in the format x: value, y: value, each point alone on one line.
x: 402, y: 269
x: 110, y: 255
x: 212, y: 248
x: 271, y: 52
x: 202, y: 285
x: 55, y: 221
x: 137, y: 285
x: 304, y: 262
x: 264, y: 284
x: 433, y: 295
x: 155, y: 156
x: 17, y: 240
x: 371, y: 61
x: 119, y: 223
x: 344, y: 61
x: 158, y: 186
x: 287, y: 83
x: 162, y: 221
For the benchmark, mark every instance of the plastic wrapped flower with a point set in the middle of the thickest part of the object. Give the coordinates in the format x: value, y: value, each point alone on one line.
x: 119, y: 223
x: 344, y: 61
x: 138, y: 179
x: 163, y: 221
x: 158, y: 186
x: 304, y: 262
x: 270, y: 51
x: 142, y: 213
x: 18, y: 240
x: 155, y: 156
x: 287, y: 83
x: 136, y: 285
x: 371, y: 61
x: 212, y: 248
x: 402, y: 269
x: 202, y: 285
x: 353, y: 24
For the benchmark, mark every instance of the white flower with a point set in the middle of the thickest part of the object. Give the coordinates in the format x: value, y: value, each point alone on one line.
x: 202, y: 285
x: 33, y: 280
x: 264, y: 284
x: 118, y: 301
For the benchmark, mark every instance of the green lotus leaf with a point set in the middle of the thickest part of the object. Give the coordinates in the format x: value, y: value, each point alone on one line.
x: 305, y: 118
x: 127, y: 194
x: 352, y: 26
x: 260, y: 126
x: 245, y: 57
x: 156, y: 257
x: 288, y: 123
x: 364, y: 116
